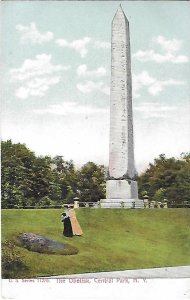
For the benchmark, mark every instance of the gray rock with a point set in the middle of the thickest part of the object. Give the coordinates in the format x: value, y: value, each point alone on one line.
x: 38, y: 243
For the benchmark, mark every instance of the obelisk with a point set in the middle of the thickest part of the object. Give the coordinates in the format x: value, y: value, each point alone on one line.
x: 121, y: 186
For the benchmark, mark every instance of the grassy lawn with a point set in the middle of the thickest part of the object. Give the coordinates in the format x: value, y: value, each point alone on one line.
x: 113, y: 239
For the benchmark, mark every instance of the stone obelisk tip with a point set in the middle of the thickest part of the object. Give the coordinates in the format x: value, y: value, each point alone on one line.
x: 120, y: 14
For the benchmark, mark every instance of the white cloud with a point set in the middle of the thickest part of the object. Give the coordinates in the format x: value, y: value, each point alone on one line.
x: 106, y: 90
x: 72, y: 108
x: 141, y: 80
x: 22, y: 92
x: 153, y: 85
x: 180, y: 59
x: 160, y: 129
x: 31, y: 34
x: 91, y: 86
x: 79, y: 46
x: 154, y: 110
x: 170, y: 47
x: 36, y: 75
x: 36, y: 87
x: 82, y: 71
x: 158, y: 86
x: 39, y: 66
x: 102, y: 45
x: 151, y: 55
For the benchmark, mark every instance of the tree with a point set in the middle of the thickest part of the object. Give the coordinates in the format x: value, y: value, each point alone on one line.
x: 159, y: 195
x: 64, y: 180
x: 25, y: 177
x: 167, y: 178
x: 91, y: 183
x: 179, y: 193
x: 41, y: 178
x: 16, y: 167
x: 37, y: 181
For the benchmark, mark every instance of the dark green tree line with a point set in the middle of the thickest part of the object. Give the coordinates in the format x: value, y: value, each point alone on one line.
x: 167, y: 178
x: 28, y: 180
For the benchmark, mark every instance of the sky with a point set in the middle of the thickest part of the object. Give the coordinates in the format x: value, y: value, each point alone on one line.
x: 56, y: 61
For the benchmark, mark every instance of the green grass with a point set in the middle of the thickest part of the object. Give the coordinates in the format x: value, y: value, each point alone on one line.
x: 113, y: 239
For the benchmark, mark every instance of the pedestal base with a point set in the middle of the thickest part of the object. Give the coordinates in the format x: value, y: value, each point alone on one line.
x: 121, y: 189
x: 121, y: 194
x: 121, y: 203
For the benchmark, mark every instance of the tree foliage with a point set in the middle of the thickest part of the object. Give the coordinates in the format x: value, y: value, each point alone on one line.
x: 91, y: 182
x: 28, y: 180
x: 167, y: 178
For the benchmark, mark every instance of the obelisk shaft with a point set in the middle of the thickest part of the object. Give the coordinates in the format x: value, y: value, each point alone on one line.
x: 121, y: 186
x: 121, y: 156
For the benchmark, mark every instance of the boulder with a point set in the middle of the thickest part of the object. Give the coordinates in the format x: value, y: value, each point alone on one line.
x: 39, y: 243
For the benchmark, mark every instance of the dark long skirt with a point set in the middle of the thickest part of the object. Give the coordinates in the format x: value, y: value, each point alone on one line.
x: 67, y: 231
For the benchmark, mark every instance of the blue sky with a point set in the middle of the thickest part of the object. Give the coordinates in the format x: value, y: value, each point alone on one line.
x: 56, y: 77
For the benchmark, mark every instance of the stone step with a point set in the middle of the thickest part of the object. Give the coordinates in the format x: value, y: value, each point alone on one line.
x: 121, y: 203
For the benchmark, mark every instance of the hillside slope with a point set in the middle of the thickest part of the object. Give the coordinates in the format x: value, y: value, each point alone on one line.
x: 113, y: 239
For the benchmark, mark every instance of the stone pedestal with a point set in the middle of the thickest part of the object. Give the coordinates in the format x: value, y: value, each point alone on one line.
x: 121, y: 189
x: 121, y: 194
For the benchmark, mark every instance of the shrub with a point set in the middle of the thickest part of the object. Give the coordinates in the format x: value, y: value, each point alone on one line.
x: 11, y: 259
x: 44, y: 202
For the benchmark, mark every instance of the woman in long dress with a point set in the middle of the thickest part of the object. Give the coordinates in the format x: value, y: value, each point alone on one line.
x: 65, y: 218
